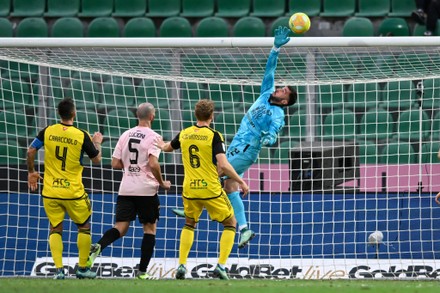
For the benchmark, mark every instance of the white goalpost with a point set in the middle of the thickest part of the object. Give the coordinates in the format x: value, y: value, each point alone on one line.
x: 346, y: 192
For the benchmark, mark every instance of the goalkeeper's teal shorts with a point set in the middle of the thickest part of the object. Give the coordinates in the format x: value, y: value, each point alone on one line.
x: 242, y: 156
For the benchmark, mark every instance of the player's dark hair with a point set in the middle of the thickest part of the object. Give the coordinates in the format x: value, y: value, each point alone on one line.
x: 66, y: 109
x: 204, y: 109
x: 292, y: 96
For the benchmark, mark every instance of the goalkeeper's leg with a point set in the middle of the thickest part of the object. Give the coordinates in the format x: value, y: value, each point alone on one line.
x: 231, y: 187
x: 237, y: 204
x: 246, y: 234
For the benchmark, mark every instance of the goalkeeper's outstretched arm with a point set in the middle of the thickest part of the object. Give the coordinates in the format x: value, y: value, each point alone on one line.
x: 281, y: 38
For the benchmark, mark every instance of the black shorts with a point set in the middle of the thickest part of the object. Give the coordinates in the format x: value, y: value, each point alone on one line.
x: 145, y: 207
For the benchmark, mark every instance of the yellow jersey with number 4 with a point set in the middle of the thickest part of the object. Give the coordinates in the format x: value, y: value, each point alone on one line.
x: 64, y: 146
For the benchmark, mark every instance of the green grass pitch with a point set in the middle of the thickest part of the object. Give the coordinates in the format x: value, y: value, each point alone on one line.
x: 71, y: 285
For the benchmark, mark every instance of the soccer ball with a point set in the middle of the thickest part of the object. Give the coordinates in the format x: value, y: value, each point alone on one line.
x: 299, y: 23
x: 375, y: 238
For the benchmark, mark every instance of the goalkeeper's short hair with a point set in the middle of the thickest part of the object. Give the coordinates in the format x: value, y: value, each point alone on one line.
x: 293, y: 96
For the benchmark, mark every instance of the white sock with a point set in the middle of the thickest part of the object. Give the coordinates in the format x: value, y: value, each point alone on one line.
x: 242, y: 227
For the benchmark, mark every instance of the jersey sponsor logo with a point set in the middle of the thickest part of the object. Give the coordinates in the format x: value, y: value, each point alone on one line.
x: 63, y: 139
x: 198, y: 184
x: 260, y: 111
x: 134, y: 169
x: 60, y: 183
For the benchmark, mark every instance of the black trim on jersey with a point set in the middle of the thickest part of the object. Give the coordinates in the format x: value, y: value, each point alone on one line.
x: 204, y: 198
x: 40, y: 135
x: 217, y: 143
x: 88, y: 145
x: 57, y: 198
x: 175, y: 143
x: 217, y: 146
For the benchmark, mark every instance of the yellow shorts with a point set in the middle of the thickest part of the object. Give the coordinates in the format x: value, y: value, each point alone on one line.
x: 219, y: 208
x: 79, y: 210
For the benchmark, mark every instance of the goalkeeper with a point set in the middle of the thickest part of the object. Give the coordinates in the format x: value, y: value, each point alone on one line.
x: 259, y: 127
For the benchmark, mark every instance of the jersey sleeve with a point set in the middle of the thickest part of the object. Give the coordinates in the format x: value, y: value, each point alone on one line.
x: 175, y: 143
x: 154, y: 150
x: 117, y: 151
x: 218, y: 145
x: 88, y: 146
x: 38, y: 141
x: 268, y: 83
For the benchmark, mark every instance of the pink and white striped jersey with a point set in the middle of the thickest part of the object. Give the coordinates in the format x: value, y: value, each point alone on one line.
x: 133, y: 149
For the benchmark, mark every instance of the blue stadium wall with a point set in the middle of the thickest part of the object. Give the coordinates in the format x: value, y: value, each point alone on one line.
x: 288, y: 226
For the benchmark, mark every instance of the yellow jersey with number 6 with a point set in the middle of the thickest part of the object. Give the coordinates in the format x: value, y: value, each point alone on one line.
x: 199, y: 146
x: 64, y: 147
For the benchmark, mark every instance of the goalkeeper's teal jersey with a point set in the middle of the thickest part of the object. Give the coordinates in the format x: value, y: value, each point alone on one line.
x: 261, y: 117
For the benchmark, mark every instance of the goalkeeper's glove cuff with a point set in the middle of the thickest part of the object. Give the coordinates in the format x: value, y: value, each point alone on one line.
x: 276, y: 49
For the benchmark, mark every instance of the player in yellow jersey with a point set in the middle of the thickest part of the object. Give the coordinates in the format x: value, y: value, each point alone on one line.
x: 63, y: 190
x: 203, y: 156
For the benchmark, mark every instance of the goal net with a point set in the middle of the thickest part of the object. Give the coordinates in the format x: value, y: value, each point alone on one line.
x: 347, y: 191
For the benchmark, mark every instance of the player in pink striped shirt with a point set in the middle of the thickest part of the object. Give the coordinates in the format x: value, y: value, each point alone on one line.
x: 137, y: 155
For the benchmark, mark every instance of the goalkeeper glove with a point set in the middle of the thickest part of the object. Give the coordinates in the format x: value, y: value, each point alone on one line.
x: 268, y: 139
x: 281, y: 36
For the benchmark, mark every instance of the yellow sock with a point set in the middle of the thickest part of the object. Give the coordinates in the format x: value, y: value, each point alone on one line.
x: 226, y: 244
x: 186, y: 241
x: 56, y: 248
x: 84, y: 241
